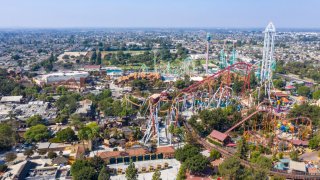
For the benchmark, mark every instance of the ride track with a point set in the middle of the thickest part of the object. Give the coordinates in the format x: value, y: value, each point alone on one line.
x: 226, y: 153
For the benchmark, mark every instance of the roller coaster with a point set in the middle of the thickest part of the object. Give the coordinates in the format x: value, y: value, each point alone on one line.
x: 212, y: 92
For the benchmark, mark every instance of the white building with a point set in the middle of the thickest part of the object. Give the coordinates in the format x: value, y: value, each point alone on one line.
x: 60, y: 77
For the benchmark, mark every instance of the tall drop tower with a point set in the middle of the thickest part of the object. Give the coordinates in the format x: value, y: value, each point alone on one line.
x: 207, y: 55
x: 268, y: 62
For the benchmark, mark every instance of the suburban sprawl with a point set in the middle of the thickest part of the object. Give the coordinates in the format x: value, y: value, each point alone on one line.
x: 152, y: 103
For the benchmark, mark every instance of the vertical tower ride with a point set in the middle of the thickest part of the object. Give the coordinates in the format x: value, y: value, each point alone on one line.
x: 207, y: 55
x: 268, y: 62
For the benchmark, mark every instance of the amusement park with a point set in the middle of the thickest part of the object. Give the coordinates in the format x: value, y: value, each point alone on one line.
x: 253, y: 110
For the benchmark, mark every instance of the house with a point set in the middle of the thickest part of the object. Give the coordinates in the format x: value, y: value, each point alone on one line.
x: 84, y: 108
x: 219, y: 137
x: 52, y: 146
x: 297, y: 142
x: 298, y: 167
x: 92, y: 68
x: 215, y: 164
x: 110, y: 142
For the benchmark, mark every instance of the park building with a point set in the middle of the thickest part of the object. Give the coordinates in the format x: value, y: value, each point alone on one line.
x: 137, y: 154
x: 59, y: 77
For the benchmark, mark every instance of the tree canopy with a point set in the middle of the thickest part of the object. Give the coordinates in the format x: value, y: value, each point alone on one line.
x: 306, y: 110
x: 231, y: 168
x: 197, y: 163
x: 104, y: 174
x: 156, y: 175
x: 34, y: 120
x: 89, y: 169
x: 131, y: 172
x: 66, y: 135
x: 7, y: 136
x: 37, y: 133
x: 187, y: 151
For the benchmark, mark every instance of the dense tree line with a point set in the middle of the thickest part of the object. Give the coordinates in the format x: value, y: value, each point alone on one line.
x: 306, y: 110
x: 218, y: 119
x: 91, y: 169
x: 189, y: 155
x: 303, y: 69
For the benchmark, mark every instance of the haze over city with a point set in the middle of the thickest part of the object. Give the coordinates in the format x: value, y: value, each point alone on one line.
x: 162, y: 13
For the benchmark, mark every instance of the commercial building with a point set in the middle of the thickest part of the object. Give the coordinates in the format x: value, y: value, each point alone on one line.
x: 58, y: 77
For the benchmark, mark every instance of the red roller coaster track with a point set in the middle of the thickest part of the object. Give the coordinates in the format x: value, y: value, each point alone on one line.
x: 240, y: 65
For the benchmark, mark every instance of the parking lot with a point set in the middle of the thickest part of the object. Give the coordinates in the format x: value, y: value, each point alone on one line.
x: 169, y: 173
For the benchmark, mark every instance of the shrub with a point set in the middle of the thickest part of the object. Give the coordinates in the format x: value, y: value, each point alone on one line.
x: 52, y: 155
x: 10, y: 156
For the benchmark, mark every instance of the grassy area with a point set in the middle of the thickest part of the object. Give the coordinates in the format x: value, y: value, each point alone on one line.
x: 133, y: 53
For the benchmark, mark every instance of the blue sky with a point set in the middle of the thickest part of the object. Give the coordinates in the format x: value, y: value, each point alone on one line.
x: 159, y: 13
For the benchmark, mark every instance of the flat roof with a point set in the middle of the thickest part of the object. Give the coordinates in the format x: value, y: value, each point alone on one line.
x: 11, y: 98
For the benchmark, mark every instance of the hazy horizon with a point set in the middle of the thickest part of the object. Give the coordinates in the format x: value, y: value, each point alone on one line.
x: 236, y: 14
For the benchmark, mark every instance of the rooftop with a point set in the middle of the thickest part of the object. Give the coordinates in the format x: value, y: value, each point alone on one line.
x: 11, y: 98
x: 218, y: 135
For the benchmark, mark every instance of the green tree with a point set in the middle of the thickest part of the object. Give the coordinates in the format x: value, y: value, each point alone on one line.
x: 97, y: 163
x: 279, y: 83
x: 254, y: 156
x: 306, y: 110
x: 52, y: 155
x: 294, y: 155
x: 180, y: 84
x: 187, y: 151
x: 37, y: 133
x: 83, y: 169
x: 7, y: 137
x: 242, y: 148
x: 66, y: 135
x: 316, y: 95
x: 104, y: 174
x: 131, y: 172
x: 303, y: 91
x: 3, y: 167
x: 93, y: 57
x: 214, y: 154
x: 28, y: 152
x: 98, y: 60
x: 182, y: 172
x: 197, y: 163
x: 156, y: 175
x: 34, y: 120
x: 231, y: 168
x: 86, y: 173
x: 314, y: 142
x: 253, y: 80
x: 264, y: 162
x: 10, y: 156
x: 259, y: 174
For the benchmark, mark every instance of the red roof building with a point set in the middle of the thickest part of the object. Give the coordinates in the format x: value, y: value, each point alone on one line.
x: 290, y: 87
x: 219, y: 137
x: 298, y: 142
x: 92, y: 68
